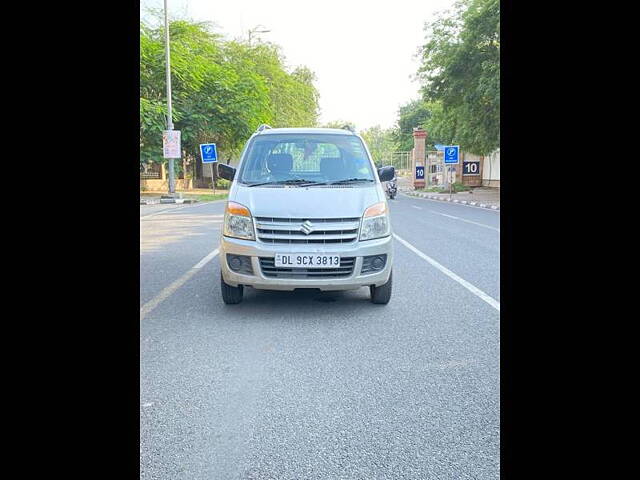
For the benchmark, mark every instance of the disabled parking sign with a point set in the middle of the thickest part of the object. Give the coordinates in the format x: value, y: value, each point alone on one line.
x: 451, y: 153
x: 208, y: 153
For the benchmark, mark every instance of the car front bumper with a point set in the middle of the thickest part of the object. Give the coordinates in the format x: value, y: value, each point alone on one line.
x: 255, y: 250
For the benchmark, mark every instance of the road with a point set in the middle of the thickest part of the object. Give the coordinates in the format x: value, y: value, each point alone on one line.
x: 322, y: 385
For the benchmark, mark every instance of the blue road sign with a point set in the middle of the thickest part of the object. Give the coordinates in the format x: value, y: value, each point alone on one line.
x: 451, y: 153
x: 208, y: 153
x: 419, y: 172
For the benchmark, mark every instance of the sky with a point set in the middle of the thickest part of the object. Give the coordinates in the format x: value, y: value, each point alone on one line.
x: 362, y: 52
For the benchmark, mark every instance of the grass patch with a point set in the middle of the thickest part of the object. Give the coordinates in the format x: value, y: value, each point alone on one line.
x: 207, y: 197
x: 456, y: 187
x: 201, y: 197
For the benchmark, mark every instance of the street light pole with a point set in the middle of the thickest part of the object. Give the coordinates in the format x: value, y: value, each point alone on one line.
x: 172, y: 185
x: 255, y: 30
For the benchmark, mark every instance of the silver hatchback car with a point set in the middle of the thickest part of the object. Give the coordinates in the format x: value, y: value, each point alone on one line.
x: 306, y: 209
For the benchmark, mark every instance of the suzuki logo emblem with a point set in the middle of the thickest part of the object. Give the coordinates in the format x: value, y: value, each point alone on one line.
x: 307, y: 227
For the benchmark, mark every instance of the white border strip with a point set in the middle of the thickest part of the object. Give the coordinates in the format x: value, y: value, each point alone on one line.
x: 465, y: 220
x: 476, y: 291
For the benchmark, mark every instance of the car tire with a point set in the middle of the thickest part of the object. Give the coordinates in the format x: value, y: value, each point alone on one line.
x: 382, y: 294
x: 230, y: 295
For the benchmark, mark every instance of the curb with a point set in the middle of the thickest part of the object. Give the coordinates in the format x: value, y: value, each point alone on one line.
x: 178, y: 200
x: 168, y: 200
x: 447, y: 199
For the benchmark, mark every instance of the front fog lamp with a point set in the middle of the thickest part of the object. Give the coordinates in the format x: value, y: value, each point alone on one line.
x: 238, y: 222
x: 375, y: 222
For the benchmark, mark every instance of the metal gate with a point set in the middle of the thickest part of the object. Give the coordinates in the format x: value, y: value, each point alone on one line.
x: 402, y: 162
x: 436, y: 170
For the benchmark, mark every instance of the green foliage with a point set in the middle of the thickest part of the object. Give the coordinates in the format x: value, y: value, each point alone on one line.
x: 221, y: 90
x: 340, y: 124
x: 455, y: 188
x: 410, y: 115
x: 380, y: 142
x: 293, y: 98
x: 207, y: 197
x: 460, y: 73
x: 222, y: 183
x: 427, y: 115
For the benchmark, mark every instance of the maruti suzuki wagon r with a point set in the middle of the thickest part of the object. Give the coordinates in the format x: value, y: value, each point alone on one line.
x: 306, y: 209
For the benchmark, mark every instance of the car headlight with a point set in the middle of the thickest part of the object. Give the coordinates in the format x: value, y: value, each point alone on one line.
x: 238, y: 222
x: 375, y: 222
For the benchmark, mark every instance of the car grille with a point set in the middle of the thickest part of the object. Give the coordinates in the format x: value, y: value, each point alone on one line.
x: 267, y: 265
x: 313, y: 230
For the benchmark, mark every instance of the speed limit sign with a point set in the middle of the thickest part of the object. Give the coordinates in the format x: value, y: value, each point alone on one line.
x: 470, y: 168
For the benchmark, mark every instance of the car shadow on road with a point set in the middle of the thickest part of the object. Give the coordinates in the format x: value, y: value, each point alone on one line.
x: 299, y: 305
x: 304, y: 297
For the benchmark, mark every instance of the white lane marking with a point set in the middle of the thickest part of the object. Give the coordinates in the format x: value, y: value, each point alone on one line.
x: 207, y: 259
x: 168, y: 291
x: 465, y: 220
x: 419, y: 208
x: 475, y: 290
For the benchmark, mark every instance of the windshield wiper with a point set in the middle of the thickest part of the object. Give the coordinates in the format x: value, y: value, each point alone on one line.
x: 350, y: 180
x: 291, y: 181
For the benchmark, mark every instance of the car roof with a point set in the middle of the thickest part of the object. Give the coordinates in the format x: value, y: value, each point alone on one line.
x: 326, y: 131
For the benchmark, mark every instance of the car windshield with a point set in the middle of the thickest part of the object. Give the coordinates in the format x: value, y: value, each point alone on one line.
x: 306, y: 159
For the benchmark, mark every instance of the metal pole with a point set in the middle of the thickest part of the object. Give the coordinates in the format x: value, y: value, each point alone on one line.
x: 213, y: 180
x: 172, y: 184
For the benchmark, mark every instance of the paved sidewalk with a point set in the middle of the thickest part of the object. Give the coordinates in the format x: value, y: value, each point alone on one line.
x: 478, y: 196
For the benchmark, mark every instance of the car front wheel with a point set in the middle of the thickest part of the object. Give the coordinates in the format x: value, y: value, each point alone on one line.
x: 381, y: 294
x: 230, y: 295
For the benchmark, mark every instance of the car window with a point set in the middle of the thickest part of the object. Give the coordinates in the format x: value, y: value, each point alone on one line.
x: 313, y: 157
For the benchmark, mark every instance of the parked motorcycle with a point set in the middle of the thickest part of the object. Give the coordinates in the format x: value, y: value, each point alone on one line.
x: 392, y: 188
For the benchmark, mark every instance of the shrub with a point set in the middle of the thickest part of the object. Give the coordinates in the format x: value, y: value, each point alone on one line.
x: 222, y: 183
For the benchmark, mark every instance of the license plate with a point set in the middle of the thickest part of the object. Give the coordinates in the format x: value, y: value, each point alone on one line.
x: 306, y: 260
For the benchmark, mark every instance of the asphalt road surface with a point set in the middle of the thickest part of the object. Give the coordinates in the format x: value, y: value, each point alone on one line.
x: 303, y: 385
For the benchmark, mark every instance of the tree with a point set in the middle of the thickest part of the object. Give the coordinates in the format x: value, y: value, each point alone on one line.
x: 426, y: 115
x: 380, y: 142
x: 293, y: 98
x: 340, y: 124
x: 221, y: 90
x: 460, y: 74
x: 411, y: 115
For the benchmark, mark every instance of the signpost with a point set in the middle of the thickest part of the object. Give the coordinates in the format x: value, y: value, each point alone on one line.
x: 419, y: 172
x: 451, y: 154
x: 209, y: 154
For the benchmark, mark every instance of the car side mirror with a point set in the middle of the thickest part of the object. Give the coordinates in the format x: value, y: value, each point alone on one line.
x: 386, y: 173
x: 226, y: 171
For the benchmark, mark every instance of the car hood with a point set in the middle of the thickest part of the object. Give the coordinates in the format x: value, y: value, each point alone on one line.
x: 307, y: 202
